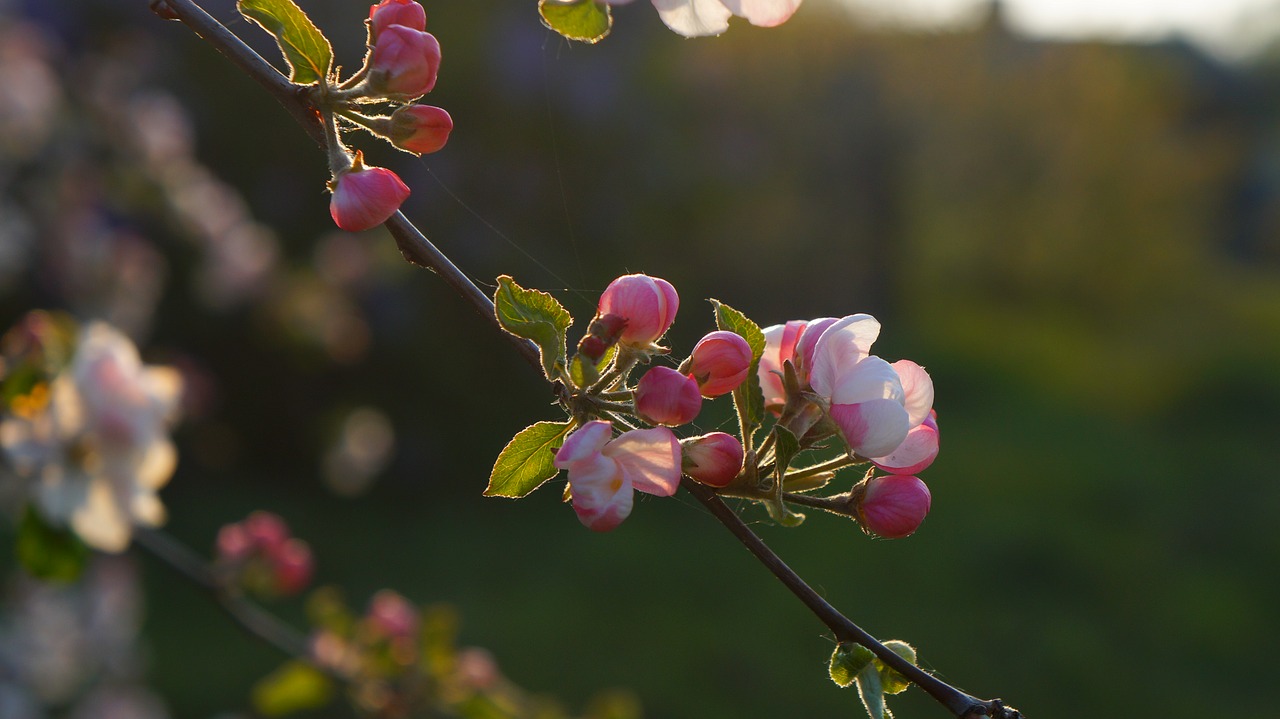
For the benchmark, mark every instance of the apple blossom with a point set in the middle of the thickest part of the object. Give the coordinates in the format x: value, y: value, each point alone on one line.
x: 396, y: 12
x: 664, y: 396
x: 719, y: 362
x: 647, y: 304
x: 99, y: 450
x: 264, y: 555
x: 420, y: 128
x: 713, y: 459
x: 893, y: 506
x: 403, y: 63
x: 792, y: 342
x: 364, y: 197
x: 916, y: 452
x: 697, y: 18
x: 392, y: 615
x: 603, y: 472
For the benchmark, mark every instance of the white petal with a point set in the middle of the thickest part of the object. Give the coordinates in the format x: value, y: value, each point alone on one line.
x: 100, y: 521
x: 157, y: 464
x: 842, y: 346
x: 872, y: 378
x: 764, y: 13
x: 874, y: 428
x: 917, y: 389
x: 694, y: 18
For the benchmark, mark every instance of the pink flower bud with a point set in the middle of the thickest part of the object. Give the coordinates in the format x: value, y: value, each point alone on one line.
x: 714, y: 459
x: 720, y: 362
x: 404, y: 63
x: 234, y: 544
x: 292, y: 566
x: 392, y: 615
x: 266, y: 531
x: 396, y: 12
x: 664, y: 396
x: 420, y: 128
x: 366, y: 197
x: 647, y: 304
x: 893, y: 506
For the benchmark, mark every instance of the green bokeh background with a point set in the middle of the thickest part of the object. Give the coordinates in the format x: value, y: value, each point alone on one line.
x: 1081, y: 241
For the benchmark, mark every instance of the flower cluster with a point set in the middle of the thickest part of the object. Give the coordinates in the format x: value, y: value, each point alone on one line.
x: 92, y: 442
x: 401, y: 66
x: 261, y: 555
x: 818, y: 378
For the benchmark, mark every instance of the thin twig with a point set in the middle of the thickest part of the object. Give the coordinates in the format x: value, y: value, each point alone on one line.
x: 418, y: 250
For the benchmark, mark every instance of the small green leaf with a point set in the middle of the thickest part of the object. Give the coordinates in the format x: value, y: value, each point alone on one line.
x: 587, y: 21
x: 535, y: 316
x: 47, y: 552
x: 786, y: 447
x: 747, y: 397
x: 527, y: 461
x: 585, y: 375
x: 872, y: 693
x: 304, y: 47
x: 294, y: 687
x: 847, y: 661
x: 892, y: 681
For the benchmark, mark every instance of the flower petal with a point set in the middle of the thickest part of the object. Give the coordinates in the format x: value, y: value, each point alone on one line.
x: 872, y: 378
x: 602, y: 496
x: 916, y: 452
x: 694, y: 18
x: 763, y: 13
x: 843, y: 345
x: 584, y: 443
x: 917, y: 389
x: 874, y: 428
x: 649, y: 458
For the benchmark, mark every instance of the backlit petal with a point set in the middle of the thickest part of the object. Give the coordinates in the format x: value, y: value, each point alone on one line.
x: 649, y: 458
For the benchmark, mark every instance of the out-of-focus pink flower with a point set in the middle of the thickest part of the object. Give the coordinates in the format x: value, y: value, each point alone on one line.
x: 404, y: 63
x: 420, y: 128
x: 263, y: 554
x: 647, y: 304
x: 893, y: 506
x: 603, y: 472
x: 697, y: 18
x: 233, y: 543
x: 266, y: 531
x: 365, y: 197
x: 396, y: 12
x: 293, y: 565
x: 713, y: 459
x: 664, y: 396
x: 392, y: 615
x: 720, y: 362
x: 99, y: 451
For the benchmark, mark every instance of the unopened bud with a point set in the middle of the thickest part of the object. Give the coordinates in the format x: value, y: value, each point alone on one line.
x: 714, y: 459
x: 893, y: 506
x: 664, y: 396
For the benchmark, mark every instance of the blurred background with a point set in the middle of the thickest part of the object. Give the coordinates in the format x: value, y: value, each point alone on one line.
x: 1075, y: 227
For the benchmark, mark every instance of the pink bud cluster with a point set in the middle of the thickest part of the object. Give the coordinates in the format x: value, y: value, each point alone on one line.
x: 260, y: 553
x: 402, y: 65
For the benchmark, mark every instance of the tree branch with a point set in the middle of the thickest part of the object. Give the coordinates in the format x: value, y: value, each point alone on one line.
x: 417, y: 249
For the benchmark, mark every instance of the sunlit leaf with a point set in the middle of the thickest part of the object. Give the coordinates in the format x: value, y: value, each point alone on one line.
x: 890, y: 680
x: 294, y: 687
x: 535, y: 316
x: 304, y: 47
x: 527, y: 461
x: 585, y: 374
x: 747, y: 397
x: 587, y: 21
x: 48, y: 552
x: 847, y: 661
x: 872, y: 693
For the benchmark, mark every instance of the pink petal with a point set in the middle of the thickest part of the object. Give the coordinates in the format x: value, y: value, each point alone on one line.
x: 771, y: 367
x: 763, y: 13
x: 873, y: 428
x: 649, y: 458
x: 601, y: 500
x: 916, y: 452
x: 805, y: 343
x: 917, y: 389
x: 585, y: 442
x: 694, y: 18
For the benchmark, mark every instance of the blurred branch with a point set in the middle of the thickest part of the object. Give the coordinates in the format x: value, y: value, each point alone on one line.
x: 255, y: 621
x: 418, y: 250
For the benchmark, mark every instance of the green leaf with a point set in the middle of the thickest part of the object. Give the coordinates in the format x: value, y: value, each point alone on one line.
x: 294, y: 687
x: 535, y: 316
x: 892, y: 681
x: 304, y: 47
x: 585, y: 375
x: 587, y: 21
x: 872, y: 693
x: 527, y: 461
x: 848, y: 659
x: 786, y: 447
x: 747, y: 397
x: 47, y: 552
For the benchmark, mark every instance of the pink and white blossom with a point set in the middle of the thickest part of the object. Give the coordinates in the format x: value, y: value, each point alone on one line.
x: 893, y: 506
x: 866, y: 397
x: 365, y: 197
x: 646, y: 304
x: 604, y: 472
x: 99, y: 451
x: 720, y: 362
x: 794, y: 342
x: 697, y: 18
x: 664, y: 396
x: 714, y: 459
